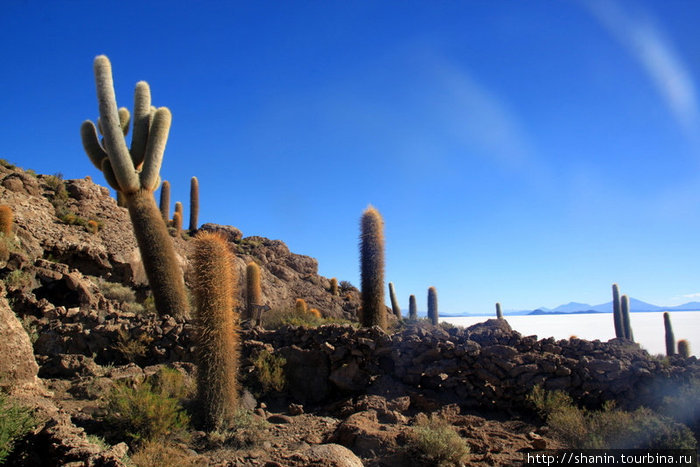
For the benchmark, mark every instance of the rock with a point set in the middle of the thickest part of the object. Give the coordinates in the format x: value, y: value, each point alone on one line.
x: 17, y: 365
x: 331, y: 455
x: 279, y: 419
x: 68, y: 366
x: 231, y: 233
x: 295, y: 409
x: 307, y: 374
x: 349, y: 377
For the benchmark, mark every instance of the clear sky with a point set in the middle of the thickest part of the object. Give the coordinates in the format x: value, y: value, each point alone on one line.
x: 531, y: 153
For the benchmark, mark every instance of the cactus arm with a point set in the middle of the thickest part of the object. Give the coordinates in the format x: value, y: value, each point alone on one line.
x: 91, y: 144
x: 114, y: 143
x: 109, y: 174
x: 124, y: 118
x: 158, y: 136
x: 142, y: 122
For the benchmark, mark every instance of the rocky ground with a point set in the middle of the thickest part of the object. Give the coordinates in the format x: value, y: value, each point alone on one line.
x: 75, y: 322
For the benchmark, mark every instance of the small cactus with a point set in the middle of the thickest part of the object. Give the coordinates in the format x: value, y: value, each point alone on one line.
x: 626, y: 325
x: 6, y: 220
x: 670, y: 338
x: 178, y: 208
x: 92, y: 226
x: 300, y: 306
x: 165, y: 201
x: 217, y: 338
x: 177, y: 223
x: 394, y: 302
x: 617, y: 312
x: 412, y: 308
x: 334, y: 286
x: 194, y: 203
x: 315, y: 313
x: 253, y: 289
x: 499, y: 313
x: 372, y: 269
x: 683, y: 348
x: 433, y: 305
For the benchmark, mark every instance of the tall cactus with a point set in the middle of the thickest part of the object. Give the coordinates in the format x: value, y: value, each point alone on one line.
x: 194, y: 203
x: 670, y: 338
x: 178, y: 208
x: 617, y: 312
x: 165, y: 201
x: 177, y: 223
x: 253, y: 289
x: 499, y: 313
x: 217, y: 338
x: 134, y: 173
x: 433, y: 305
x: 412, y: 308
x: 626, y: 325
x: 394, y: 302
x: 683, y: 348
x: 372, y: 269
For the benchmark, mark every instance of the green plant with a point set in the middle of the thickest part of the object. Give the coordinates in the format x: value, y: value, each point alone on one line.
x: 683, y: 348
x: 269, y: 369
x: 115, y: 290
x: 394, y: 302
x: 29, y: 323
x: 134, y: 173
x: 217, y: 338
x: 143, y: 413
x: 412, y: 308
x: 610, y: 427
x: 15, y: 422
x: 172, y: 383
x: 19, y: 279
x: 372, y: 269
x: 499, y: 313
x: 92, y: 227
x: 670, y: 338
x: 6, y: 220
x: 617, y: 312
x: 194, y: 203
x: 438, y: 442
x: 165, y: 201
x: 334, y: 286
x: 132, y: 348
x: 626, y: 325
x: 432, y: 305
x: 247, y: 429
x: 253, y: 289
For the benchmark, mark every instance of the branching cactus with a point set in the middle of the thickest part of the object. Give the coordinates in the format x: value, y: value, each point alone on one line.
x: 134, y: 173
x: 617, y: 312
x: 253, y: 289
x: 683, y: 348
x: 165, y: 201
x: 670, y: 338
x: 433, y: 305
x: 412, y: 308
x: 217, y: 337
x: 394, y: 302
x: 372, y: 269
x: 499, y: 313
x: 194, y: 203
x: 626, y: 325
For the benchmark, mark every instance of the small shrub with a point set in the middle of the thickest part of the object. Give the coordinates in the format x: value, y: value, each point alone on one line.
x: 171, y: 382
x: 18, y: 280
x: 438, y: 442
x: 150, y: 305
x: 116, y: 291
x: 346, y: 286
x: 247, y: 430
x: 7, y: 165
x: 132, y: 348
x: 143, y: 413
x: 29, y: 323
x: 15, y: 422
x: 160, y: 454
x: 269, y: 369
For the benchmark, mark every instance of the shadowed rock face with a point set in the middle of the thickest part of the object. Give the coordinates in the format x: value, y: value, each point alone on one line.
x: 17, y: 365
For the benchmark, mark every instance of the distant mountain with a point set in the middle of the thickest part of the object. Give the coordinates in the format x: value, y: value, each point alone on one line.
x: 571, y: 307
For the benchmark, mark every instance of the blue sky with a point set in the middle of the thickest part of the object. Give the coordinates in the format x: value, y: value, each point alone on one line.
x: 530, y: 153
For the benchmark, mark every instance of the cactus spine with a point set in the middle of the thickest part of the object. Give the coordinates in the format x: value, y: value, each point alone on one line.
x: 217, y: 337
x: 394, y: 302
x: 6, y: 219
x: 334, y: 286
x: 253, y: 290
x: 617, y: 312
x: 194, y: 203
x: 134, y: 173
x: 670, y: 338
x: 683, y: 348
x: 626, y: 326
x: 165, y: 201
x: 412, y: 308
x: 433, y: 305
x: 372, y: 269
x: 499, y: 313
